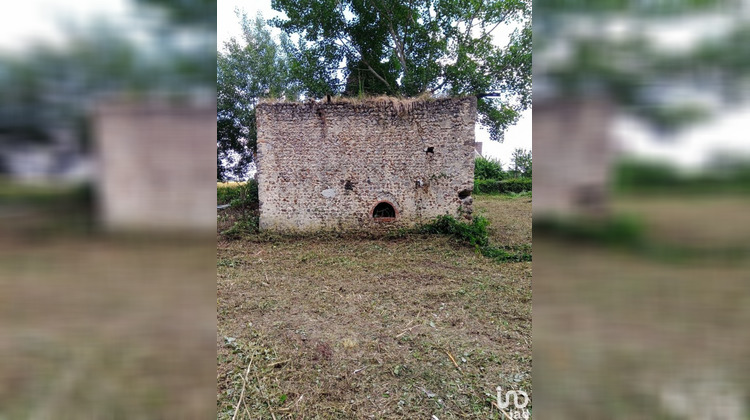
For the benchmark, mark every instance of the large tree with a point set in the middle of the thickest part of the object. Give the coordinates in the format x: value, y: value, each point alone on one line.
x: 406, y: 48
x: 47, y: 89
x: 246, y: 72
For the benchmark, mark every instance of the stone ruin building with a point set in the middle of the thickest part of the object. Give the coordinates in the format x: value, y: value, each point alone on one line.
x: 573, y: 157
x: 155, y: 166
x: 364, y: 164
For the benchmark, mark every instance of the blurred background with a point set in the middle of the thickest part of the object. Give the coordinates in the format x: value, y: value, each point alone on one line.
x: 641, y: 209
x: 107, y: 141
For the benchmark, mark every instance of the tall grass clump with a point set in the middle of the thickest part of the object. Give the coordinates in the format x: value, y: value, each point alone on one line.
x: 618, y: 230
x: 474, y: 233
x: 238, y: 195
x: 243, y: 199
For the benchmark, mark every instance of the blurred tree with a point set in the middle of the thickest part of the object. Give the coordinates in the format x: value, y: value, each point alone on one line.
x: 246, y: 72
x: 194, y: 13
x: 189, y: 63
x: 392, y: 47
x: 577, y: 55
x: 48, y: 90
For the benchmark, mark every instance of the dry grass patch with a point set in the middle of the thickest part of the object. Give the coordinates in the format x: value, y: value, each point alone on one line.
x: 103, y: 328
x: 509, y: 216
x: 720, y: 220
x: 347, y: 327
x: 624, y: 336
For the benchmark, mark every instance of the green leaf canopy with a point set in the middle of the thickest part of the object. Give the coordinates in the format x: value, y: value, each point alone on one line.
x: 406, y: 48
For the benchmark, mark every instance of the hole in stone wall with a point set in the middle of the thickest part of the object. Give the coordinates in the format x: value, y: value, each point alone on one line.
x: 463, y: 194
x: 383, y: 210
x: 429, y: 150
x: 348, y: 185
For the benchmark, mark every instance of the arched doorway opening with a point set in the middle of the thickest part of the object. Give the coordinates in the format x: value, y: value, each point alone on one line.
x: 384, y: 212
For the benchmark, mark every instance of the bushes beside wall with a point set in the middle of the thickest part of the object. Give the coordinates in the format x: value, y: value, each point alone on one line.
x: 475, y: 234
x: 488, y: 169
x: 490, y: 178
x: 643, y: 177
x: 245, y: 194
x: 504, y: 186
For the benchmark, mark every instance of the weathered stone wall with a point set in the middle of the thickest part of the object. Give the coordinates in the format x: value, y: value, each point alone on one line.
x: 327, y: 165
x: 572, y: 157
x: 156, y: 165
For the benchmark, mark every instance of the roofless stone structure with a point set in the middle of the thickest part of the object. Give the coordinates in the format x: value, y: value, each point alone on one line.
x: 364, y: 164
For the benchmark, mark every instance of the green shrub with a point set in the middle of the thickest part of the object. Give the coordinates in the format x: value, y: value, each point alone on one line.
x: 633, y: 176
x: 628, y: 233
x: 616, y: 230
x: 485, y: 186
x: 226, y: 193
x: 238, y: 195
x: 493, y: 186
x: 515, y: 185
x: 241, y: 228
x: 488, y: 169
x: 476, y: 235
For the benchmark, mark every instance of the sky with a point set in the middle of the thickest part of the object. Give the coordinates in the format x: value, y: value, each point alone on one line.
x: 697, y: 144
x: 691, y: 149
x: 27, y: 21
x: 518, y: 136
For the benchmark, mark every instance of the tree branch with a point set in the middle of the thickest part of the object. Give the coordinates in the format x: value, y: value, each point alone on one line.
x: 408, y: 22
x: 376, y: 74
x: 439, y: 86
x: 489, y: 94
x: 399, y: 46
x: 369, y: 67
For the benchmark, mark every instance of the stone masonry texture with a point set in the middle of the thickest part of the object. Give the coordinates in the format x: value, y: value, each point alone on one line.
x: 327, y: 165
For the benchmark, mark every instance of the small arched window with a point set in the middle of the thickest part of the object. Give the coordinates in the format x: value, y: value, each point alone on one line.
x: 384, y: 211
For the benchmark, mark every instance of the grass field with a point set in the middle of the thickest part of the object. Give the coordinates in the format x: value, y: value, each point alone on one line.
x: 361, y: 327
x: 621, y: 335
x: 96, y: 326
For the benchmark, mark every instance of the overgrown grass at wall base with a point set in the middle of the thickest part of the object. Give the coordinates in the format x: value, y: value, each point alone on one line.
x: 243, y: 201
x: 15, y: 193
x: 476, y: 235
x: 47, y: 208
x: 494, y: 186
